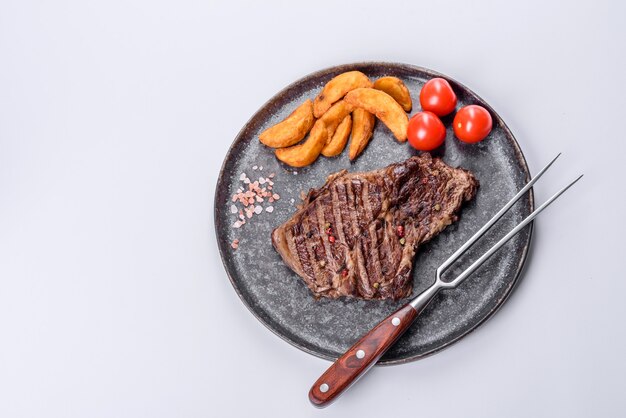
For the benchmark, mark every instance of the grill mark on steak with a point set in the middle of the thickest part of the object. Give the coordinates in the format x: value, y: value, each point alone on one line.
x: 352, y: 211
x: 367, y: 259
x: 359, y: 210
x: 363, y: 284
x: 372, y: 262
x: 340, y: 202
x: 311, y: 245
x: 290, y: 243
x: 340, y: 213
x: 373, y: 200
x: 301, y: 249
x: 332, y: 263
x: 384, y: 249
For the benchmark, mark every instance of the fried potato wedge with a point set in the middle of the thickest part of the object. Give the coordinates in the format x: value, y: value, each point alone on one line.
x: 339, y: 139
x: 306, y: 153
x: 383, y: 106
x: 394, y: 87
x: 362, y: 129
x: 291, y: 130
x: 335, y: 115
x: 336, y: 88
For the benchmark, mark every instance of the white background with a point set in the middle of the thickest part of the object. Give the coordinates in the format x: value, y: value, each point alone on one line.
x: 115, y: 117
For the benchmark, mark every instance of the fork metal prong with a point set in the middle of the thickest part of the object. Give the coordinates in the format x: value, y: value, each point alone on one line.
x: 507, y: 237
x: 492, y: 221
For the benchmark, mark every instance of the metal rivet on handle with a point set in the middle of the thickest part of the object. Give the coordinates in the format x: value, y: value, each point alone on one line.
x: 324, y: 388
x: 360, y: 354
x: 395, y: 321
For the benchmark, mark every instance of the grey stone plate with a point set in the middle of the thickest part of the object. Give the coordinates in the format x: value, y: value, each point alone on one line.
x: 326, y: 328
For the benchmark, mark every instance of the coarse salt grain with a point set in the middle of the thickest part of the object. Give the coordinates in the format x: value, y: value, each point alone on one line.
x: 251, y: 198
x: 235, y: 244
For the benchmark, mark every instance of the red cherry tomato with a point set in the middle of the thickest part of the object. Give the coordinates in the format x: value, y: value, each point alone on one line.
x: 438, y: 97
x: 472, y: 123
x: 426, y: 131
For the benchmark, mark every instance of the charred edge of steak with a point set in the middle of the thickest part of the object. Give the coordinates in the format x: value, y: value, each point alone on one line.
x: 357, y: 235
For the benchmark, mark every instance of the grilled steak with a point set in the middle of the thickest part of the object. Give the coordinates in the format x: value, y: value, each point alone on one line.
x: 357, y: 234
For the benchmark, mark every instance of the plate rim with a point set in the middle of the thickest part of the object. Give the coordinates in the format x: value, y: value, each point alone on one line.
x: 408, y: 67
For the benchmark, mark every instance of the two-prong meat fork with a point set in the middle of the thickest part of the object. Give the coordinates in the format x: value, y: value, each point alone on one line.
x: 366, y: 352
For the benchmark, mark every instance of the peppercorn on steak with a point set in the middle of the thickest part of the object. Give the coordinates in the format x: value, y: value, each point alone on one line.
x: 356, y: 235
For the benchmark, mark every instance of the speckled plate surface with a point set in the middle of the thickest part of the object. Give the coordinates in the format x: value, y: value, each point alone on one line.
x: 326, y: 328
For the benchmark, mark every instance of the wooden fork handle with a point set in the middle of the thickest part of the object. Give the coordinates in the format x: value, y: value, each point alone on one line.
x: 361, y: 356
